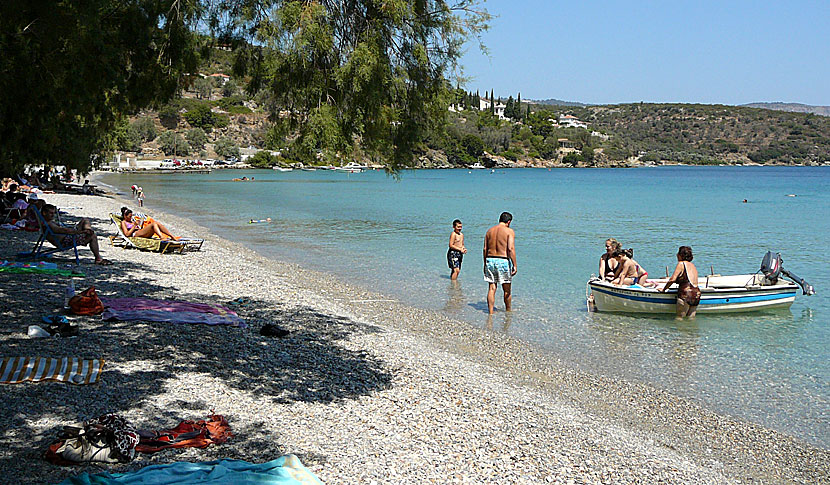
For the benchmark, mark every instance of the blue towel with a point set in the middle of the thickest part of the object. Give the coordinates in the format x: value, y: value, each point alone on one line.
x: 285, y: 470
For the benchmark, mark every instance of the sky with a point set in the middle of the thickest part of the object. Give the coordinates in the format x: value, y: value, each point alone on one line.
x: 606, y: 52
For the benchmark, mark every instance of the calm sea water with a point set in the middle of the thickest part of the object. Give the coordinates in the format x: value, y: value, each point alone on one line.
x: 391, y: 235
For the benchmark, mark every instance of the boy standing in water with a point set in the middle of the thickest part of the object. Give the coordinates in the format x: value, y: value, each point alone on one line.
x: 455, y: 254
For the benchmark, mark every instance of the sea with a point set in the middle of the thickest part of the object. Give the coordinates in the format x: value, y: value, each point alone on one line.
x: 389, y: 234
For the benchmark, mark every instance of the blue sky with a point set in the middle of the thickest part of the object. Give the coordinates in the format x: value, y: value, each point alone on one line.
x: 729, y: 52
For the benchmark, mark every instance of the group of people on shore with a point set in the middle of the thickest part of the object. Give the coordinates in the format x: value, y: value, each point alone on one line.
x: 618, y: 267
x: 138, y: 194
x: 499, y: 258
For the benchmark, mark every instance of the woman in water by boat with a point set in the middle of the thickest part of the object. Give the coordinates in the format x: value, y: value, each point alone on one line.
x: 628, y: 271
x: 143, y: 227
x: 685, y: 275
x: 607, y: 263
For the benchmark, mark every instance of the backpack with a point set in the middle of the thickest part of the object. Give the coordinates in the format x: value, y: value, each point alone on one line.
x: 86, y: 303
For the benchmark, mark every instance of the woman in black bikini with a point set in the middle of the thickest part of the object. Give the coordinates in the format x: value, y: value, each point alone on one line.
x: 685, y: 275
x: 607, y: 263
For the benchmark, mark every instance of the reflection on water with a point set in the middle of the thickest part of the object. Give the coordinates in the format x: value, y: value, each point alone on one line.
x: 455, y: 298
x: 499, y: 322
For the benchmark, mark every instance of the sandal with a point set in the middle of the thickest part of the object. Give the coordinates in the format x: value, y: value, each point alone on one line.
x: 103, y: 262
x: 241, y: 301
x: 55, y: 320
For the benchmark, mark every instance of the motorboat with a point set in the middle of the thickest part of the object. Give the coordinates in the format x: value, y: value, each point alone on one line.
x: 282, y: 169
x: 477, y: 165
x: 351, y: 167
x: 763, y: 290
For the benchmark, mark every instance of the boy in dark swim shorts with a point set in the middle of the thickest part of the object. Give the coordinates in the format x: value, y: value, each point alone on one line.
x: 455, y: 253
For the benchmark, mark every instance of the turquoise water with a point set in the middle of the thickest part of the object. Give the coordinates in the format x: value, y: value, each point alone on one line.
x: 391, y: 236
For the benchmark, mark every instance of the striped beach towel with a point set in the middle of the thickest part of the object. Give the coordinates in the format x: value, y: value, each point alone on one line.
x: 73, y: 370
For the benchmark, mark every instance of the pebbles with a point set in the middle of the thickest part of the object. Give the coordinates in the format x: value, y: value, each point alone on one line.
x: 362, y: 389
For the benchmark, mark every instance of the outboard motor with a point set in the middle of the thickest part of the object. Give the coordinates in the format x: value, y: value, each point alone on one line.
x: 772, y: 267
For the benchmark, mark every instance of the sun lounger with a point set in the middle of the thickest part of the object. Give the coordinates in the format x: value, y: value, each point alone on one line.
x: 150, y: 243
x: 46, y: 233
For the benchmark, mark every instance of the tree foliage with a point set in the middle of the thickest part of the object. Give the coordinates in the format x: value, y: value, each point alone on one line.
x: 72, y: 69
x: 145, y: 128
x: 173, y: 144
x: 363, y: 70
x: 226, y: 148
x: 197, y: 138
x: 263, y: 159
x: 201, y: 116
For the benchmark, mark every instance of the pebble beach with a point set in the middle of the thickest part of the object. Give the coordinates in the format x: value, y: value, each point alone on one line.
x: 362, y: 389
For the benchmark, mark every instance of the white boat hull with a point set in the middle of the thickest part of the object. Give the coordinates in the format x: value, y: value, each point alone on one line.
x: 715, y: 296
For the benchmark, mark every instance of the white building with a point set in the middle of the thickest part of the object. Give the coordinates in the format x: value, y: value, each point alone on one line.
x: 484, y: 104
x: 570, y: 121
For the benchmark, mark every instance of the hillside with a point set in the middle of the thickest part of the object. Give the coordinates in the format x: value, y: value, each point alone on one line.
x: 555, y: 102
x: 792, y: 107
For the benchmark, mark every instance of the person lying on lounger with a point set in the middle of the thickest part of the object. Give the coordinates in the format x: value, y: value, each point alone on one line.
x: 144, y: 226
x: 82, y: 234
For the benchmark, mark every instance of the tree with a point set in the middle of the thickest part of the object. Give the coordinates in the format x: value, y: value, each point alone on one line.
x: 173, y: 144
x: 71, y: 70
x: 201, y: 116
x: 229, y: 88
x: 197, y: 138
x: 473, y: 145
x: 225, y: 148
x: 145, y: 128
x: 203, y: 87
x: 509, y: 110
x: 126, y: 137
x: 372, y: 71
x: 169, y: 116
x: 263, y: 159
x: 519, y: 108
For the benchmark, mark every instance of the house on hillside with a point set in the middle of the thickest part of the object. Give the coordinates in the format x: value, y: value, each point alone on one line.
x: 570, y: 121
x: 484, y: 104
x: 219, y: 79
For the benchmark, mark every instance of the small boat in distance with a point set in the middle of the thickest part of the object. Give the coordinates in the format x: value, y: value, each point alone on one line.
x: 282, y: 169
x: 477, y: 165
x: 351, y: 167
x: 718, y: 294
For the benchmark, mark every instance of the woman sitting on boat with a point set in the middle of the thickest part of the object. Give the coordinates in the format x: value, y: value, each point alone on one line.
x: 685, y: 275
x: 607, y: 263
x: 628, y: 271
x: 144, y: 226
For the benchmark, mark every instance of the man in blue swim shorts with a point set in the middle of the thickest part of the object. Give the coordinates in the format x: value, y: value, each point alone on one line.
x: 500, y: 260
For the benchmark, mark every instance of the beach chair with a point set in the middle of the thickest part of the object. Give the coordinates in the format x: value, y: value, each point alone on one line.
x: 150, y: 243
x: 190, y: 243
x: 47, y: 234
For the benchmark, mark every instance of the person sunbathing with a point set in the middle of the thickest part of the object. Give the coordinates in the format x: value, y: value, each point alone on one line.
x: 145, y: 226
x: 81, y: 235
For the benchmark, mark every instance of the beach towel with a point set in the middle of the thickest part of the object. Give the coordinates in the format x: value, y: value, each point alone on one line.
x: 126, y: 309
x: 285, y: 470
x: 40, y: 267
x: 14, y: 370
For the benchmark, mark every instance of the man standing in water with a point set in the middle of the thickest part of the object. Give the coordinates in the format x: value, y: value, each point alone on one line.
x: 455, y: 254
x: 500, y: 260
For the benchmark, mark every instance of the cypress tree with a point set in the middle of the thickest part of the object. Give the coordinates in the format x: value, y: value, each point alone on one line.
x: 492, y: 103
x: 519, y: 107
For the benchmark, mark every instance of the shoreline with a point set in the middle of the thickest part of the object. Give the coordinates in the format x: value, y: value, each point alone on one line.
x: 389, y: 392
